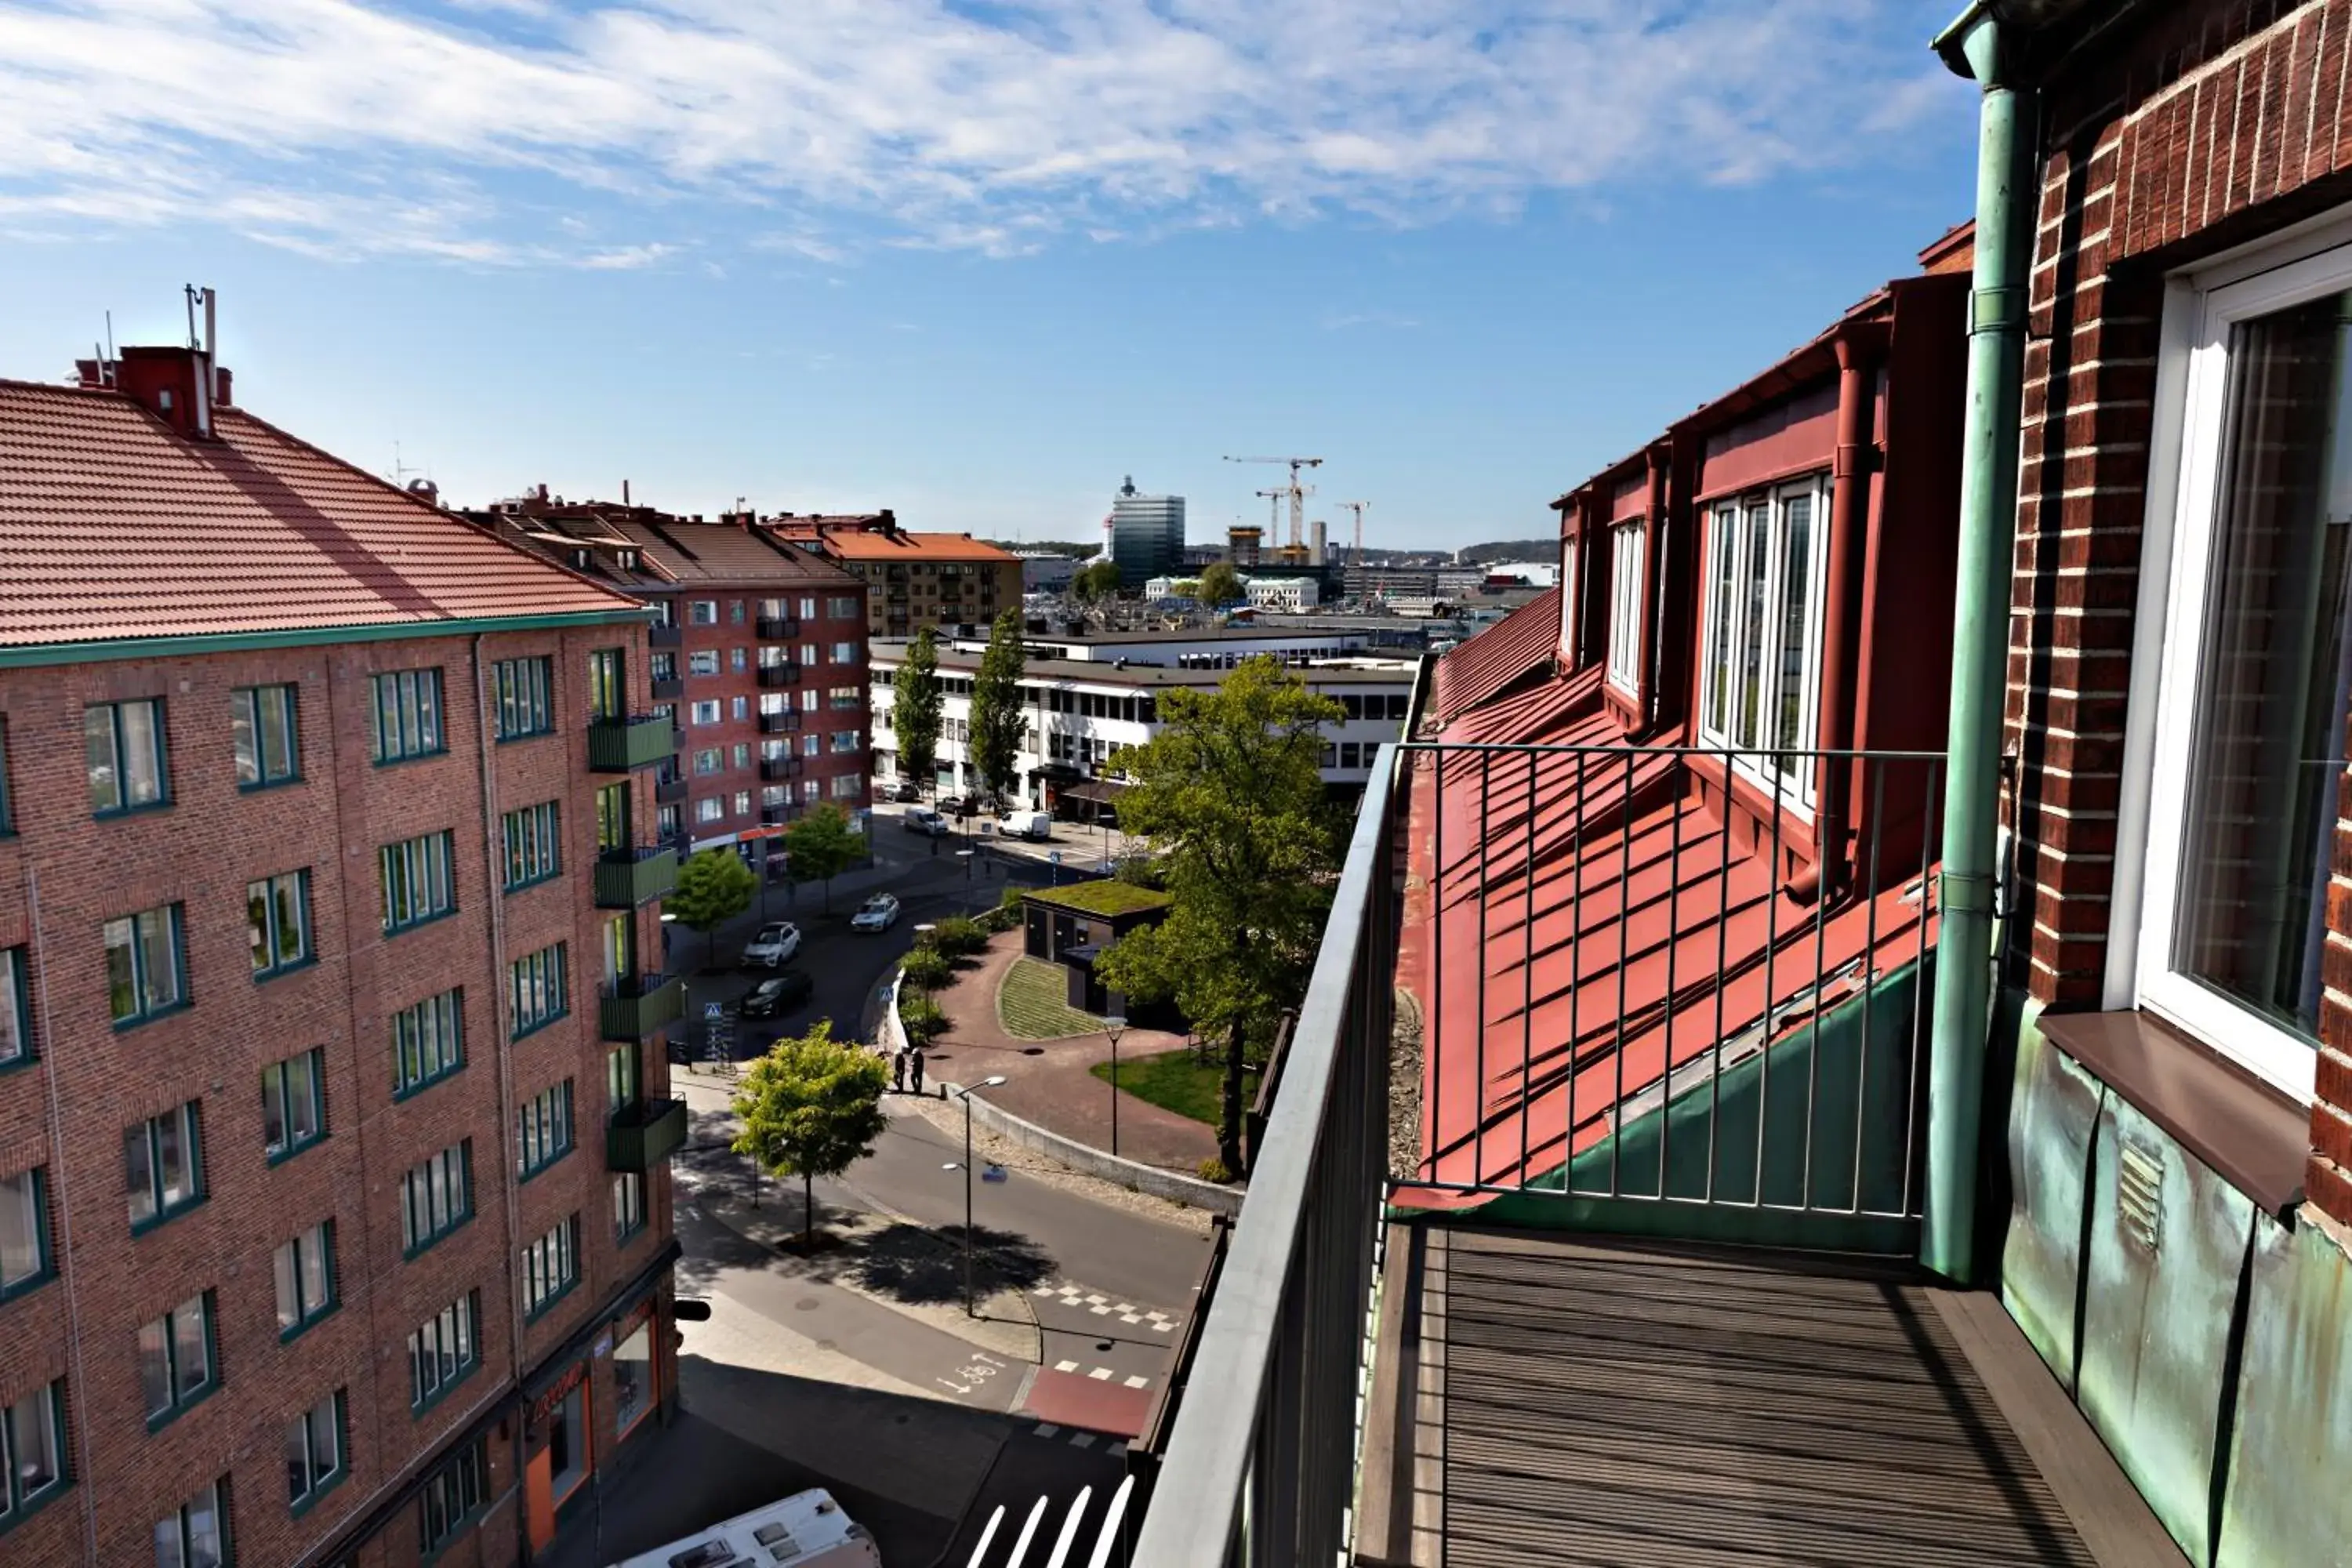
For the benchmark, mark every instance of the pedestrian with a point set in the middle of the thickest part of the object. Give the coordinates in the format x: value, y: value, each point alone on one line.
x: 916, y: 1065
x: 898, y: 1070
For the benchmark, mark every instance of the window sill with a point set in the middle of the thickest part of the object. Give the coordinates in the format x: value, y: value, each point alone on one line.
x: 410, y: 757
x: 310, y: 1499
x: 2253, y: 1137
x: 136, y: 1020
x: 540, y: 1024
x: 37, y: 1503
x: 112, y: 813
x: 534, y: 1314
x: 282, y: 1156
x: 163, y: 1217
x: 308, y: 961
x: 262, y: 786
x: 17, y: 1063
x: 157, y: 1423
x: 411, y: 1254
x: 547, y: 1164
x: 422, y: 920
x: 419, y: 1409
x: 539, y: 881
x: 623, y: 1235
x: 288, y: 1336
x: 524, y: 735
x: 31, y: 1283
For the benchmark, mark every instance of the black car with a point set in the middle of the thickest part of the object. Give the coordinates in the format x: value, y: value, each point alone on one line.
x: 906, y: 793
x: 781, y: 994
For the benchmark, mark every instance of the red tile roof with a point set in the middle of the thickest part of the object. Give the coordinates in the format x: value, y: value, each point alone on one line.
x: 113, y: 526
x: 1497, y: 658
x: 862, y: 544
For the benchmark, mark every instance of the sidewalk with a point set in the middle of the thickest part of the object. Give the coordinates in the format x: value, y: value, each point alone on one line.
x: 1048, y: 1081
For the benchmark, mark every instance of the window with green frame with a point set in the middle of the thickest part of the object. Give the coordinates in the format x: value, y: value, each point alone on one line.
x: 314, y: 1452
x: 608, y: 691
x: 453, y: 1496
x: 418, y: 883
x: 436, y: 1196
x: 428, y: 1042
x: 536, y: 987
x: 278, y: 922
x: 263, y: 736
x: 520, y: 690
x: 406, y: 721
x: 124, y: 745
x: 612, y: 825
x: 533, y: 845
x: 621, y: 1076
x: 26, y: 1259
x: 15, y: 1009
x: 628, y: 1203
x: 444, y: 1350
x: 176, y: 1358
x: 32, y: 1452
x: 164, y: 1164
x: 550, y: 1267
x: 146, y: 972
x: 293, y: 1104
x: 543, y: 1129
x: 195, y: 1534
x: 304, y: 1266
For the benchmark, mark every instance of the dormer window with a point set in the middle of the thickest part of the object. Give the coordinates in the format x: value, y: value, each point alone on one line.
x: 1760, y: 656
x: 628, y: 560
x: 580, y: 559
x: 1625, y: 607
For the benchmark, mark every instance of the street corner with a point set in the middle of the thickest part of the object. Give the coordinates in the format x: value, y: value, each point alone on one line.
x: 1087, y: 1403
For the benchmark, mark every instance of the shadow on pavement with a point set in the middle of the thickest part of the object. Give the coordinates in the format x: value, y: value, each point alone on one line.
x: 913, y: 1264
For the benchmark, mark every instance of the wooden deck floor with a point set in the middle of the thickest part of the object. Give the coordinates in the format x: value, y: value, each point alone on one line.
x: 1595, y: 1402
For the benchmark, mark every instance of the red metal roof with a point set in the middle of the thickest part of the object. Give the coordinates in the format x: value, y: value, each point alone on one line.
x: 113, y: 526
x: 859, y: 544
x: 1497, y: 658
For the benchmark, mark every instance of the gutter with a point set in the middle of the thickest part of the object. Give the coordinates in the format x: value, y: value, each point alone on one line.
x: 1979, y: 46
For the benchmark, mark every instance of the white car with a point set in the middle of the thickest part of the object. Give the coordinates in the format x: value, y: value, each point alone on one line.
x: 775, y: 942
x: 880, y: 912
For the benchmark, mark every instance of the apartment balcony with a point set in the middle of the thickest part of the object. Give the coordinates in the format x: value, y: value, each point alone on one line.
x: 1627, y: 1270
x: 669, y: 636
x: 775, y: 676
x: 643, y: 1135
x: 773, y: 769
x: 669, y: 792
x: 773, y: 629
x: 776, y: 815
x: 624, y: 745
x: 669, y: 689
x: 785, y: 722
x: 626, y: 878
x: 636, y: 1009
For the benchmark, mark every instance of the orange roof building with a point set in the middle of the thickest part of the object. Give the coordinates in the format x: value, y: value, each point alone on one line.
x: 913, y: 580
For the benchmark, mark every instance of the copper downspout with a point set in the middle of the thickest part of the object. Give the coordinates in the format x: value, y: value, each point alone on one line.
x: 1654, y: 555
x: 1858, y: 352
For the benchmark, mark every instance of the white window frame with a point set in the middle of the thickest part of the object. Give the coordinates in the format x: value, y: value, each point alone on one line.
x: 1727, y: 530
x: 1625, y: 560
x: 1570, y: 550
x: 2184, y: 471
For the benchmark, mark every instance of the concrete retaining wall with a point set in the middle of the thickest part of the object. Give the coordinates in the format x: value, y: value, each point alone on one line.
x: 1085, y: 1158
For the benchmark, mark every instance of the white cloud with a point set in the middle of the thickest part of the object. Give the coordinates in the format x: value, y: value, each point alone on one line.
x: 342, y: 128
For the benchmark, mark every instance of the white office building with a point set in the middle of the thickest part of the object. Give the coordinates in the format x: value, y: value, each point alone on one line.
x: 1146, y: 535
x: 1289, y: 594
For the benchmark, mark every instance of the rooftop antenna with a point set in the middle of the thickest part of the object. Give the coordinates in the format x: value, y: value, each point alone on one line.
x: 110, y: 337
x: 400, y: 470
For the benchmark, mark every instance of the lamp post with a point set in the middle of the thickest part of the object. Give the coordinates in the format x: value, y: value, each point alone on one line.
x: 970, y: 1310
x: 966, y: 856
x: 1114, y: 1025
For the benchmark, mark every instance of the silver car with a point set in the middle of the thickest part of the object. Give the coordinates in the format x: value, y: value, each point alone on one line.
x: 880, y: 912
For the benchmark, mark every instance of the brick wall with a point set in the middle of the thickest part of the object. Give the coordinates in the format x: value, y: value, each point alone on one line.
x: 2197, y: 128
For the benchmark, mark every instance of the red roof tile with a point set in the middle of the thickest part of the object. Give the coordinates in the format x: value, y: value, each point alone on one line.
x: 861, y: 544
x: 113, y: 526
x: 1497, y: 658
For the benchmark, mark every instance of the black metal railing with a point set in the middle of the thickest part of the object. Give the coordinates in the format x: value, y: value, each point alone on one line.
x: 783, y: 723
x: 775, y: 676
x: 776, y: 628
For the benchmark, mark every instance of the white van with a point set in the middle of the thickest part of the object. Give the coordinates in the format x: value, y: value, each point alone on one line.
x: 807, y: 1530
x: 1026, y: 824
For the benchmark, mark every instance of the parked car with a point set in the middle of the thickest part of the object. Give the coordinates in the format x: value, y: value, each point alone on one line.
x: 1026, y: 824
x: 880, y: 912
x: 924, y: 820
x: 776, y: 942
x: 781, y: 993
x: 906, y: 790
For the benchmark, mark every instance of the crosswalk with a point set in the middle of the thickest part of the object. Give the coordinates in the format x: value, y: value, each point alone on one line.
x: 1104, y: 1374
x: 1101, y: 1306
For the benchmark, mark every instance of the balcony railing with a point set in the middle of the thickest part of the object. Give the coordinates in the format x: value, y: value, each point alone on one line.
x: 665, y: 636
x: 775, y: 676
x: 784, y: 721
x: 628, y: 878
x: 635, y: 1008
x: 774, y: 628
x: 773, y: 769
x: 669, y: 792
x: 623, y: 745
x: 643, y: 1135
x: 668, y: 688
x: 773, y: 815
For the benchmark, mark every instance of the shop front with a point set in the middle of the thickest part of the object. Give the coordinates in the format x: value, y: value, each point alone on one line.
x: 589, y: 1415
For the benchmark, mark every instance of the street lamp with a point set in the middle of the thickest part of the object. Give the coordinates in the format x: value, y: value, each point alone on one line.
x: 970, y: 1310
x: 1114, y: 1025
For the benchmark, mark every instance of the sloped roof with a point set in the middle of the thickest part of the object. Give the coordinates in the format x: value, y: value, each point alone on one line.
x: 862, y: 544
x: 671, y: 551
x: 113, y: 526
x: 1497, y: 657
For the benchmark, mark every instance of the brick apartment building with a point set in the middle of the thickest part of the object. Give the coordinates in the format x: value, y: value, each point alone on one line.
x: 759, y: 654
x: 914, y: 580
x: 334, y: 1222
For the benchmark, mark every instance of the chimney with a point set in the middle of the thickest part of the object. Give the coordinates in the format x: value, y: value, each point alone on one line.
x: 169, y: 383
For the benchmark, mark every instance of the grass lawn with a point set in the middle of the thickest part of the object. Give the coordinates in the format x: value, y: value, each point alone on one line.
x: 1031, y: 1004
x: 1174, y: 1081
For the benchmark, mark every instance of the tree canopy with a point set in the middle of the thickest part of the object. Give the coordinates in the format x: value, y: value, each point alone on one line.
x: 812, y: 1106
x: 822, y: 844
x: 1221, y: 584
x: 1231, y: 796
x: 1096, y: 581
x: 713, y: 887
x: 915, y: 711
x: 998, y: 722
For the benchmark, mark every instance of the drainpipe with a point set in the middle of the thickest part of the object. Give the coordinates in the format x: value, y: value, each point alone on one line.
x: 1973, y: 47
x: 1654, y: 555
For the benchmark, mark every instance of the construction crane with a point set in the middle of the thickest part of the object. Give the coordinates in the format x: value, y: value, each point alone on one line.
x: 1357, y: 507
x: 1295, y: 492
x: 1274, y: 514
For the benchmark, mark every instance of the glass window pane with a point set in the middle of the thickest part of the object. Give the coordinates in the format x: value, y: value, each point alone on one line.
x: 98, y: 745
x: 288, y: 892
x: 290, y: 1297
x: 278, y: 732
x: 1796, y: 614
x: 298, y: 1459
x: 20, y: 1227
x: 205, y: 1531
x: 191, y: 1355
x: 33, y: 1441
x: 158, y: 973
x: 274, y: 1128
x: 138, y: 1172
x: 142, y: 752
x: 121, y: 970
x: 244, y: 739
x: 13, y: 1010
x: 169, y: 1552
x: 155, y: 1366
x: 2269, y: 748
x: 174, y: 1156
x: 302, y: 1095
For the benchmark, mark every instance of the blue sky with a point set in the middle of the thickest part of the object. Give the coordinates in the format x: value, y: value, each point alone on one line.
x: 975, y: 261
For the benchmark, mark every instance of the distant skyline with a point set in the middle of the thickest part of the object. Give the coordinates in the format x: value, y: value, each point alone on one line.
x: 975, y: 262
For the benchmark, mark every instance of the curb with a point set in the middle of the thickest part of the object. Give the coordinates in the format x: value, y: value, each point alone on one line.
x: 1084, y: 1158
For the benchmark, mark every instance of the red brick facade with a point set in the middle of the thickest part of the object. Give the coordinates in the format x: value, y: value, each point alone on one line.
x: 65, y: 873
x: 2192, y: 129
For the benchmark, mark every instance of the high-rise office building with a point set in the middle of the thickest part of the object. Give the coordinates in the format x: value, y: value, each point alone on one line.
x: 1147, y: 534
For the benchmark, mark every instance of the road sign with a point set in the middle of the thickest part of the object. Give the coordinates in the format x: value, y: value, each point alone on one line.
x: 713, y: 1010
x: 1054, y: 856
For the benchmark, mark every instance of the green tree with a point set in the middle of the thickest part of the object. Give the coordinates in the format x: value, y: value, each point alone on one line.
x: 1231, y: 796
x: 822, y: 845
x: 713, y: 887
x: 812, y: 1106
x: 1221, y: 584
x: 1096, y: 581
x: 997, y: 719
x: 914, y: 711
